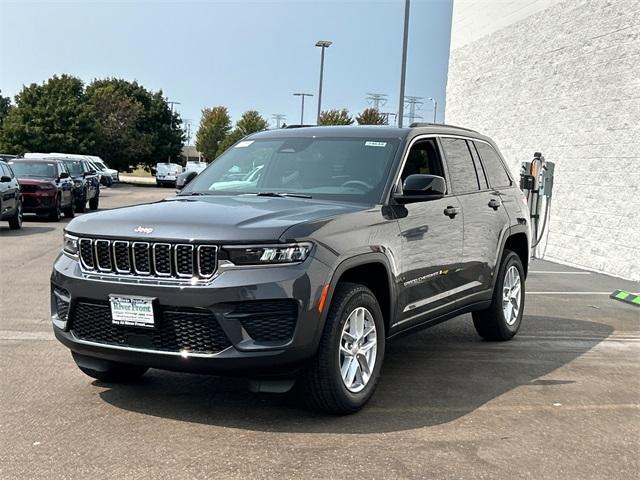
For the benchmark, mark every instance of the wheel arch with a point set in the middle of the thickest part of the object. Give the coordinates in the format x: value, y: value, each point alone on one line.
x: 372, y: 270
x: 518, y: 242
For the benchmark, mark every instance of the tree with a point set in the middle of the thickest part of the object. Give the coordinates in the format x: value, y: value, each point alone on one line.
x: 250, y: 122
x: 52, y: 117
x: 215, y: 125
x: 134, y: 126
x: 335, y: 117
x: 371, y: 116
x: 5, y: 106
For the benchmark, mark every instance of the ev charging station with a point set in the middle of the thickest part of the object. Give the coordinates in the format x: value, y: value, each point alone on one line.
x: 536, y: 181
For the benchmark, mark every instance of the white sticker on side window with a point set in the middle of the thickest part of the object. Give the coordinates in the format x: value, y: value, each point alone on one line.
x: 244, y: 143
x: 375, y: 144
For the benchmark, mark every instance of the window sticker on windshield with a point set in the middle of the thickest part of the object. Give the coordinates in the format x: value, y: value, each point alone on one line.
x: 244, y: 143
x: 375, y: 144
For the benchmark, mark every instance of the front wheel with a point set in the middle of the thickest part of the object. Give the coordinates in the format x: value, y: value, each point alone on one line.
x: 55, y: 213
x: 344, y: 373
x: 94, y: 202
x: 502, y: 319
x: 15, y: 222
x: 70, y: 211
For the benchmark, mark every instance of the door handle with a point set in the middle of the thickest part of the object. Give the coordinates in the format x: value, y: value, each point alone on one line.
x: 495, y: 203
x: 451, y: 211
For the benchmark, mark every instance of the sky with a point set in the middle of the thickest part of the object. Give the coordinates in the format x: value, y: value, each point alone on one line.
x: 243, y: 54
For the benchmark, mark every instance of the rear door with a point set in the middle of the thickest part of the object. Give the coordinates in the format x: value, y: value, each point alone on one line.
x: 431, y: 242
x: 485, y: 219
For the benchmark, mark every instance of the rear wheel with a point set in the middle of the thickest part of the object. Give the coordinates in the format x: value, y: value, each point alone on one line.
x: 502, y: 319
x: 15, y: 222
x: 344, y: 374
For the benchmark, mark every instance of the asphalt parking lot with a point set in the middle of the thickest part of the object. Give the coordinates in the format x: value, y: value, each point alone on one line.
x: 562, y: 400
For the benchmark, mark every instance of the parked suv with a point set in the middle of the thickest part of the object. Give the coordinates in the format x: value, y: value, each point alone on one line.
x: 86, y: 183
x: 10, y: 197
x: 46, y: 187
x: 347, y: 237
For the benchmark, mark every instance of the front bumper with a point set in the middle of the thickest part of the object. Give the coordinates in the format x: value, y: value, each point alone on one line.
x: 242, y: 355
x: 36, y: 202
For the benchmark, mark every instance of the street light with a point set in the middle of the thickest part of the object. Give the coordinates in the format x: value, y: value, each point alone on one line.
x: 435, y: 108
x: 302, y: 109
x: 403, y: 70
x: 322, y: 44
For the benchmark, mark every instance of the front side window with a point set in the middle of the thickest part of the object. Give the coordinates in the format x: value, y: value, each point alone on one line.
x: 346, y: 169
x: 493, y: 166
x: 74, y: 167
x: 423, y: 158
x: 34, y: 169
x: 462, y: 173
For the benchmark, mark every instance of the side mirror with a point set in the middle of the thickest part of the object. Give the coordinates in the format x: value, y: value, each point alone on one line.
x: 91, y: 172
x: 421, y: 188
x: 64, y: 175
x: 5, y: 179
x: 187, y: 178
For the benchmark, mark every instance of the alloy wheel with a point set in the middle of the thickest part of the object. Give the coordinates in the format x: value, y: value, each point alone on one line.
x: 511, y: 295
x: 358, y: 349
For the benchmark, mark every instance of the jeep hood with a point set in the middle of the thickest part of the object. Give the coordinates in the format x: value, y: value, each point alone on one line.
x: 233, y: 219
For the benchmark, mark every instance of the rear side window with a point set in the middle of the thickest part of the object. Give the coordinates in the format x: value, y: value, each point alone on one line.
x: 493, y: 166
x: 462, y: 172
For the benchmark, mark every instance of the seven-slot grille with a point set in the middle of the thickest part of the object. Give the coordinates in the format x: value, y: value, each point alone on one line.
x: 155, y: 259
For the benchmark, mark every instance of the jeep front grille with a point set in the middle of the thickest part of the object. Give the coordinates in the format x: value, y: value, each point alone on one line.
x: 148, y: 259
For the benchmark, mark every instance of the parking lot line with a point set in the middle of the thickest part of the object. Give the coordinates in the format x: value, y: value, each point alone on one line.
x: 568, y: 293
x: 560, y: 272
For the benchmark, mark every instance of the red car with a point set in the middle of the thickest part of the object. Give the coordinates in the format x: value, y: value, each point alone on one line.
x: 47, y: 188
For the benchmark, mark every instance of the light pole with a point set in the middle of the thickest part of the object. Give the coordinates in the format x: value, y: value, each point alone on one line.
x: 403, y: 70
x: 171, y: 104
x: 302, y: 109
x: 322, y: 44
x: 435, y: 109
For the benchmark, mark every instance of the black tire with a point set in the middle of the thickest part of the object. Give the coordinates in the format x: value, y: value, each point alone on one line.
x: 15, y: 222
x: 56, y: 212
x: 70, y: 211
x: 81, y: 204
x: 491, y: 323
x: 321, y: 383
x: 95, y: 201
x: 116, y: 373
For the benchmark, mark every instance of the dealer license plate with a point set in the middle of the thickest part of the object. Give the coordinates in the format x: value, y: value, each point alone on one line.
x: 132, y: 311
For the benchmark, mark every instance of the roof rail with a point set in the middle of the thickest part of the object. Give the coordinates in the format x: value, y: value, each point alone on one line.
x: 428, y: 124
x: 299, y: 126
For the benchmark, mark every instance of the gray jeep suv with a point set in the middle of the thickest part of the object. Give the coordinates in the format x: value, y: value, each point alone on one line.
x: 295, y: 256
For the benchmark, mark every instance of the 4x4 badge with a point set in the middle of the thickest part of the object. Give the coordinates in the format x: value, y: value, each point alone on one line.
x: 141, y: 229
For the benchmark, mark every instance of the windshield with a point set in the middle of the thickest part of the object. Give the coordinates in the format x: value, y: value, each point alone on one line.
x: 346, y: 169
x: 74, y: 167
x: 33, y: 169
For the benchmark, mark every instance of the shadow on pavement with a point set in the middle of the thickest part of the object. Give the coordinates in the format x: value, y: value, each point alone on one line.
x: 429, y: 378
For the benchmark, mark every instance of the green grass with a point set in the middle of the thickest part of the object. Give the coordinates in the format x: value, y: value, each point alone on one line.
x: 139, y: 172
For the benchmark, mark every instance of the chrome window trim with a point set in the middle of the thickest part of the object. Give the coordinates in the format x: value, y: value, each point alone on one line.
x: 153, y: 251
x: 97, y: 257
x: 175, y: 257
x: 133, y: 252
x: 115, y: 261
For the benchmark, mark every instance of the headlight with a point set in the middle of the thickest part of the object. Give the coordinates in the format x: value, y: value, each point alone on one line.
x: 70, y: 244
x: 268, y: 254
x: 46, y: 186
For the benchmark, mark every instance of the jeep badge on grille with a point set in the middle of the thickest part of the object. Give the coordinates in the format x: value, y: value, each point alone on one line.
x: 141, y: 229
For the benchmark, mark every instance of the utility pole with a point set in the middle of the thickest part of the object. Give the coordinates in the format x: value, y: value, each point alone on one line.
x: 414, y: 103
x: 435, y: 109
x: 278, y: 117
x: 403, y: 70
x: 171, y: 104
x: 323, y: 44
x: 302, y: 109
x: 377, y: 100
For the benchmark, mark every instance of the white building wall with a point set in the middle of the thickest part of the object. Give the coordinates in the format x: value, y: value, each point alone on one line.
x: 563, y: 78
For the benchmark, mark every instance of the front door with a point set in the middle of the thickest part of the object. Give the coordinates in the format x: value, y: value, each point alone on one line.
x: 431, y: 234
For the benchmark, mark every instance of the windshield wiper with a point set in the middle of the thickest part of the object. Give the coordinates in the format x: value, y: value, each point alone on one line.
x: 282, y: 194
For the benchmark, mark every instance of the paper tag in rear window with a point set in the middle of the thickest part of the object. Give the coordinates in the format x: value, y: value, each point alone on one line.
x: 244, y: 143
x: 375, y: 144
